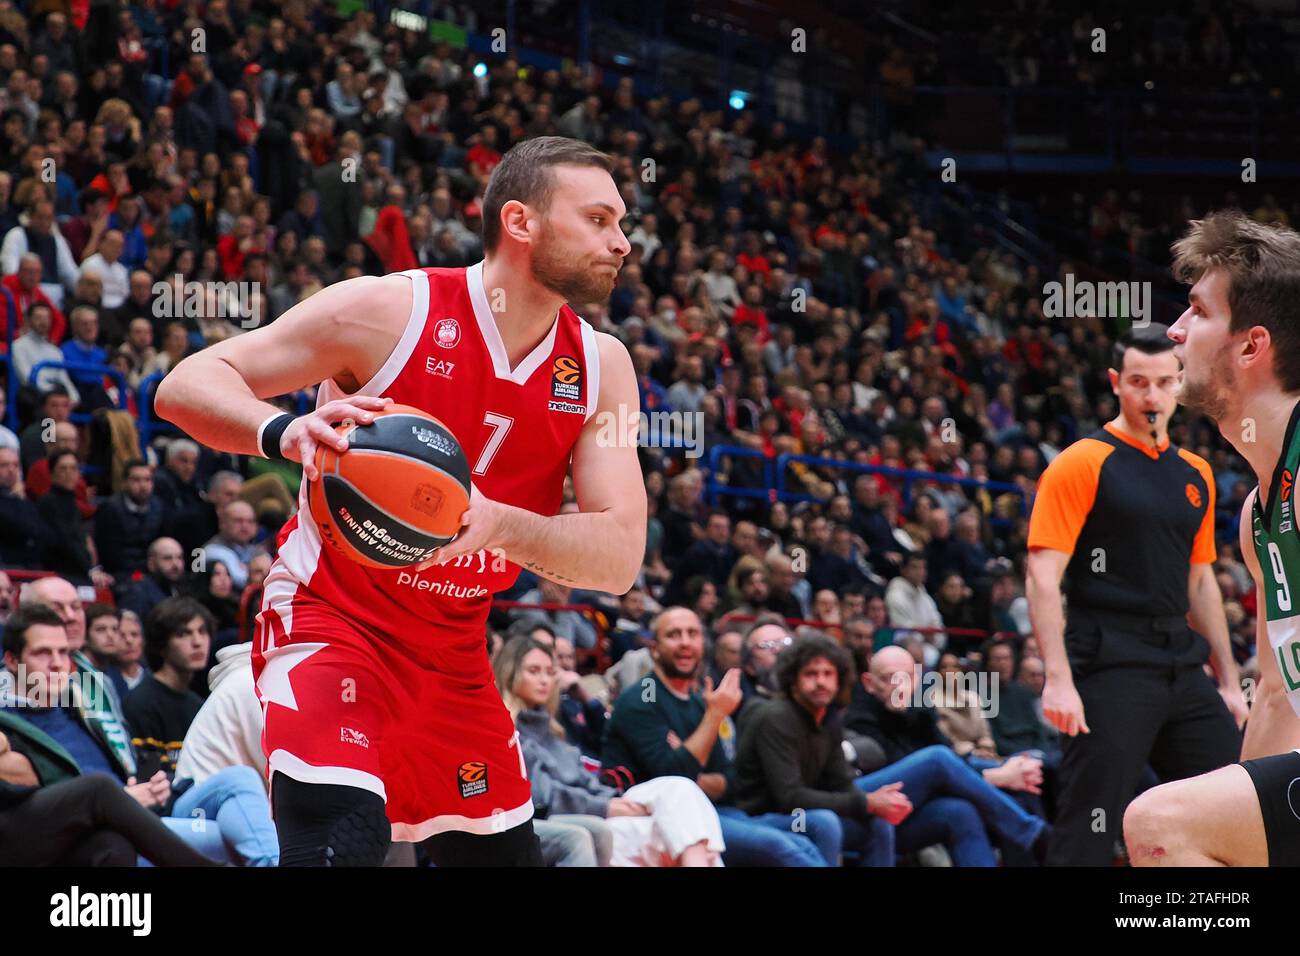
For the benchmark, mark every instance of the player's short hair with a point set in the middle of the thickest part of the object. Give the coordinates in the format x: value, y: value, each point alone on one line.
x: 1263, y: 266
x: 524, y: 174
x: 22, y: 620
x: 1151, y: 339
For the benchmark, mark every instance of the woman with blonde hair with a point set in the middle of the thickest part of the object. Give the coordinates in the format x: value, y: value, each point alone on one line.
x: 667, y: 821
x: 121, y: 128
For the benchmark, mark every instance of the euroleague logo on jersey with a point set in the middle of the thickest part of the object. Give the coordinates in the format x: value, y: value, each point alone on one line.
x: 472, y: 776
x: 1287, y: 481
x: 447, y: 333
x: 566, y: 378
x: 1193, y: 495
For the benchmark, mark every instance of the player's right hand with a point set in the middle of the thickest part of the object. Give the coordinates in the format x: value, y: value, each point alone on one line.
x: 1063, y: 707
x: 299, y: 441
x: 727, y: 696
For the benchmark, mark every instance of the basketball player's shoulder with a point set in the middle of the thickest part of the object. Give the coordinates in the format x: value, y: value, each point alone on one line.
x: 1246, y: 535
x: 378, y: 303
x: 617, y: 377
x: 611, y: 348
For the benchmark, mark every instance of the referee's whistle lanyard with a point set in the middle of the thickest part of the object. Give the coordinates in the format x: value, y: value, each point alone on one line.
x: 1155, y: 438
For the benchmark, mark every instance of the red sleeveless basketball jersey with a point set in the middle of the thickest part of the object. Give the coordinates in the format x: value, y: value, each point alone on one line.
x: 517, y: 427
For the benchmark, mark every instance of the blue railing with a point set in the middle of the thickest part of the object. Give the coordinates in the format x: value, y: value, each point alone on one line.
x: 774, y: 478
x: 907, y: 475
x: 147, y: 424
x: 150, y: 426
x: 84, y: 368
x: 713, y: 489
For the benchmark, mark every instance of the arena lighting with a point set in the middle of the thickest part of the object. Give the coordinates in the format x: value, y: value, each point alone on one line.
x: 409, y: 21
x: 480, y: 70
x: 737, y: 99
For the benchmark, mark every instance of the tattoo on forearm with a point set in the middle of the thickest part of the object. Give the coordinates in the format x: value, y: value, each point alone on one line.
x: 548, y: 573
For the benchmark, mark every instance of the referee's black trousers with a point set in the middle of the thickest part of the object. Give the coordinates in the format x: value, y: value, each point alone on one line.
x: 1146, y: 700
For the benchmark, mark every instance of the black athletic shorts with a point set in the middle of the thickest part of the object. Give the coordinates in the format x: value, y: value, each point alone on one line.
x: 1277, y: 784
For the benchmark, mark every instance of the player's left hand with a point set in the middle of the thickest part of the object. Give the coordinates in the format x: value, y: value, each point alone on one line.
x: 1232, y: 696
x: 480, y: 528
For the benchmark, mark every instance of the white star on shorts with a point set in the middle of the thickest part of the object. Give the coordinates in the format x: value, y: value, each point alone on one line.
x: 273, y: 686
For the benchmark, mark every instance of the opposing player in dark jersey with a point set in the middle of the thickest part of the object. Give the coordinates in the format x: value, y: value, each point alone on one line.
x: 381, y: 718
x: 1239, y: 342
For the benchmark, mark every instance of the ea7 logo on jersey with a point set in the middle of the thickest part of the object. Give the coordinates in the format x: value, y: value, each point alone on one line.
x: 438, y: 367
x: 447, y: 333
x: 566, y: 378
x: 349, y: 736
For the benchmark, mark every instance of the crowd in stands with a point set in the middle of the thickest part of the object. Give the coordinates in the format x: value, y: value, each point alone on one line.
x: 1228, y: 48
x: 750, y: 701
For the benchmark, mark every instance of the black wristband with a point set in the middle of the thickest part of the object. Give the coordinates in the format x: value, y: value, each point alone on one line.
x: 268, y: 436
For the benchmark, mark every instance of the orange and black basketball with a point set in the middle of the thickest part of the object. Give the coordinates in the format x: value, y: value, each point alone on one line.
x: 397, y: 494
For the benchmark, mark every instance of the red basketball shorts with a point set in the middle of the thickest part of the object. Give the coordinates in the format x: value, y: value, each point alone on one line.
x: 345, y: 706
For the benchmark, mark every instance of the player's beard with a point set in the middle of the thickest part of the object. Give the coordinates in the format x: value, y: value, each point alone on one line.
x: 1208, y: 393
x: 554, y: 269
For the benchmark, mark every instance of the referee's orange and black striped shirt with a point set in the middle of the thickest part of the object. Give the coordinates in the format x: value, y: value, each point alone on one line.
x: 1132, y: 519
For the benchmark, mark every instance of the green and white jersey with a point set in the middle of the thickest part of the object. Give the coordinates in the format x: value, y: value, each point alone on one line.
x: 1277, y: 545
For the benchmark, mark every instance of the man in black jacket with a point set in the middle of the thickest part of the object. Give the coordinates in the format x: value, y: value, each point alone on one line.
x: 22, y: 530
x: 712, y: 556
x: 175, y: 484
x: 953, y: 804
x: 128, y: 522
x: 790, y: 760
x: 164, y: 571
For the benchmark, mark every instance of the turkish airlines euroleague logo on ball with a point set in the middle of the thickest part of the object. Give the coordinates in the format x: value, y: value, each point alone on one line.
x: 473, y: 778
x: 566, y: 378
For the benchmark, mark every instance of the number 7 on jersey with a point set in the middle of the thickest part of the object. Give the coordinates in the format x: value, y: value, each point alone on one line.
x: 500, y: 425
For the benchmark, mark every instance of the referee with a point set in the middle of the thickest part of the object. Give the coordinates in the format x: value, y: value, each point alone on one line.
x: 1128, y: 521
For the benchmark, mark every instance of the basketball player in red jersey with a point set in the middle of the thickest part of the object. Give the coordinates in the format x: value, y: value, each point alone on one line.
x: 381, y: 718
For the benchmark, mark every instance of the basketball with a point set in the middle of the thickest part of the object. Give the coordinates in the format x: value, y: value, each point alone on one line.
x: 397, y: 494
